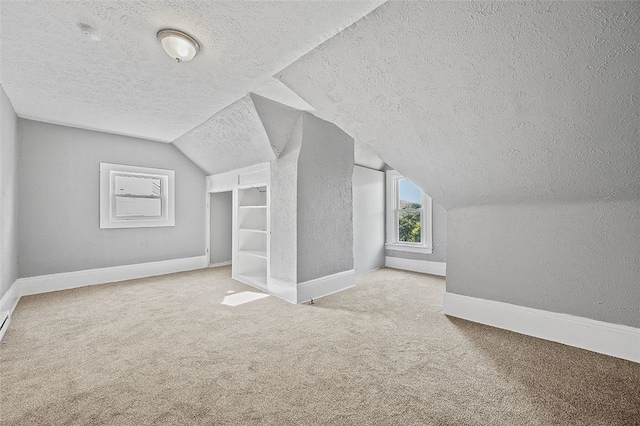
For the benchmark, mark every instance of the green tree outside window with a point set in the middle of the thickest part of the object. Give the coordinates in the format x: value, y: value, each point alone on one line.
x: 410, y: 226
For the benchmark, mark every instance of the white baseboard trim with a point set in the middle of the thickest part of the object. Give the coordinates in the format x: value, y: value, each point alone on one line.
x: 324, y: 286
x: 216, y: 265
x: 616, y: 340
x: 68, y: 280
x: 312, y: 289
x: 283, y: 289
x: 424, y: 266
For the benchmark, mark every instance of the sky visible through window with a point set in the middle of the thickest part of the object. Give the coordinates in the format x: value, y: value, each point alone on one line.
x: 408, y: 192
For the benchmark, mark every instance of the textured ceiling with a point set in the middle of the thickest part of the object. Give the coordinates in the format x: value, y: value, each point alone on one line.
x: 252, y: 130
x: 231, y: 139
x: 477, y: 102
x: 489, y: 102
x: 278, y: 121
x: 126, y: 84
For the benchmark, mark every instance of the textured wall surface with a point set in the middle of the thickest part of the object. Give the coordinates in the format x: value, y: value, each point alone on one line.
x: 232, y: 139
x: 127, y: 84
x: 283, y: 253
x: 439, y: 232
x: 277, y: 91
x: 362, y: 156
x: 278, y: 121
x: 489, y: 102
x: 325, y: 200
x: 368, y: 219
x: 59, y: 229
x: 8, y: 194
x: 581, y: 259
x: 221, y: 212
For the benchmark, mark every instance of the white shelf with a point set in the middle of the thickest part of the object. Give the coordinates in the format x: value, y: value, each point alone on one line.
x: 252, y: 242
x: 260, y: 254
x: 264, y: 231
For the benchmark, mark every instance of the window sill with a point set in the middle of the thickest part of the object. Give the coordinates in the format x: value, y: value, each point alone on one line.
x: 408, y: 248
x: 125, y: 223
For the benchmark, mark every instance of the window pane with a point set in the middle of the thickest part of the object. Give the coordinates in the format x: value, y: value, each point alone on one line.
x: 409, y: 195
x: 141, y: 186
x: 145, y: 207
x: 409, y: 227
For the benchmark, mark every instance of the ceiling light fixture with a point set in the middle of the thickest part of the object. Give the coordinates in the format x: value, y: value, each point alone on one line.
x: 180, y: 46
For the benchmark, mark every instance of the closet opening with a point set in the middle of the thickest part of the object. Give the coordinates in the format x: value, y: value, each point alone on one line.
x: 220, y: 228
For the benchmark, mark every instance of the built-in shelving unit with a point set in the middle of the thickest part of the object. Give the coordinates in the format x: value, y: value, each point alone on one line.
x: 251, y: 261
x: 250, y: 233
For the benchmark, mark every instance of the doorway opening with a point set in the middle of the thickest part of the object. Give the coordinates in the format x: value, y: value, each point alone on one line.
x: 220, y: 228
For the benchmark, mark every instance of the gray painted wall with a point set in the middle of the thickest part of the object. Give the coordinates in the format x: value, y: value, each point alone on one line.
x: 325, y: 203
x: 58, y: 174
x: 439, y: 253
x: 8, y: 202
x: 580, y: 259
x: 311, y: 203
x: 221, y: 226
x: 283, y: 254
x: 368, y: 219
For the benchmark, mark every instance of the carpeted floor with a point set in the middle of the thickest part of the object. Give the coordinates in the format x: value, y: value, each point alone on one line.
x: 165, y: 350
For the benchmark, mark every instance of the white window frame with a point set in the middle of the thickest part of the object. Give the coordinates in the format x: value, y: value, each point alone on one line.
x: 392, y: 243
x: 108, y: 219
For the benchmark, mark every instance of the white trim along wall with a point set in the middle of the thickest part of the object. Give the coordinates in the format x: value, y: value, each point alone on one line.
x: 610, y: 339
x: 68, y: 280
x: 423, y: 266
x: 616, y: 340
x: 312, y: 289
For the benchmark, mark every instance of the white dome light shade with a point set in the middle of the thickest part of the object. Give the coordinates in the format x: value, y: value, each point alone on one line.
x: 180, y: 46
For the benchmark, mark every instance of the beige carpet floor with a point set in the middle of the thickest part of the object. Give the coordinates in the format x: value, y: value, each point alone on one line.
x: 165, y: 350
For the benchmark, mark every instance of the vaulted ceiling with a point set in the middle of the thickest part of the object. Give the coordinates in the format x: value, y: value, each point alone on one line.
x: 489, y: 102
x: 126, y: 84
x: 476, y: 102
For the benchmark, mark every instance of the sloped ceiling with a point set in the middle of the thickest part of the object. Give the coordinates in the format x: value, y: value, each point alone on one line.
x: 231, y: 139
x: 489, y: 102
x: 278, y: 121
x: 477, y: 102
x: 126, y: 84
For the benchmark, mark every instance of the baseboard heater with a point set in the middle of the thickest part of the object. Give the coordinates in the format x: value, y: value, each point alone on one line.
x: 5, y: 321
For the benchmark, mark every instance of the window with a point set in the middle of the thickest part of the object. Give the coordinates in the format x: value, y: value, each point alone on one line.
x: 408, y: 216
x: 136, y: 197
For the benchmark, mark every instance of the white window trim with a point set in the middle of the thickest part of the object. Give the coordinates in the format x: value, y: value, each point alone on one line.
x: 392, y: 243
x: 108, y: 220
